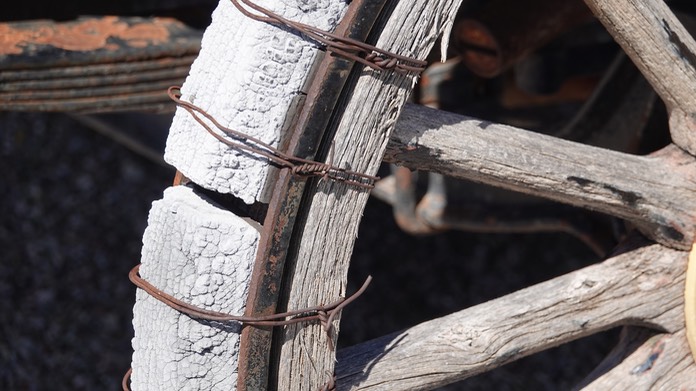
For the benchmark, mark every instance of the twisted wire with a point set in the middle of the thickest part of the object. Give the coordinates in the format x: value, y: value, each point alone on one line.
x: 254, y: 146
x: 352, y: 49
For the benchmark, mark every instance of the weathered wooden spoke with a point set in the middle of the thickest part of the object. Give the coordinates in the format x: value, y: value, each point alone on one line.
x: 622, y: 290
x: 657, y: 192
x: 663, y: 50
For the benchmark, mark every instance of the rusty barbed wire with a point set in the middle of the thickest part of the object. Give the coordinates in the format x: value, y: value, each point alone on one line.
x: 126, y: 379
x: 352, y: 49
x: 254, y: 146
x: 325, y: 314
x: 330, y: 385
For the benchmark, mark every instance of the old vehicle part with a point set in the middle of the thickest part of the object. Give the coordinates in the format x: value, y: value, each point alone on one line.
x: 615, y: 183
x: 94, y: 64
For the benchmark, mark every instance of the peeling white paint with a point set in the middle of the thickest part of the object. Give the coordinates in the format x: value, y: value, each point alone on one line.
x: 249, y: 76
x: 203, y: 255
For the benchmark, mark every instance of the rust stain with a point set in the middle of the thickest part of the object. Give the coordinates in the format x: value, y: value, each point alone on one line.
x: 86, y: 35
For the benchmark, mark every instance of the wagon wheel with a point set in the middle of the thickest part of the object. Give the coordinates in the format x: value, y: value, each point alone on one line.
x: 298, y: 257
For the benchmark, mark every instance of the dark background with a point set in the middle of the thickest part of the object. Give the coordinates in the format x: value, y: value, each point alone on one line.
x: 74, y: 207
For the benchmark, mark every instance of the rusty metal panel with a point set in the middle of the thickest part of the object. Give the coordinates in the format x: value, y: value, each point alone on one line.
x: 93, y: 64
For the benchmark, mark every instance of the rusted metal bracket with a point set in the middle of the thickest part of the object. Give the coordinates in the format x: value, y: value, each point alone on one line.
x: 307, y: 140
x: 94, y: 64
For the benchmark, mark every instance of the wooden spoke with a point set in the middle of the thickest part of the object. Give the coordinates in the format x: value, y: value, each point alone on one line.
x: 657, y: 193
x: 620, y: 290
x: 663, y: 50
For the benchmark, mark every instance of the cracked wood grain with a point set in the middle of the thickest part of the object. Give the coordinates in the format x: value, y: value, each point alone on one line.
x: 665, y: 53
x: 331, y: 223
x: 657, y: 193
x: 202, y: 255
x: 250, y: 76
x: 641, y: 286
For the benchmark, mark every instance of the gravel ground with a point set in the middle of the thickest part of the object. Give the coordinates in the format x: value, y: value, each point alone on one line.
x: 73, y: 212
x: 74, y: 207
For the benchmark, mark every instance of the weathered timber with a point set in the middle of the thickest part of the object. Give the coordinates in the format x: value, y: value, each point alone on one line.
x: 329, y: 83
x: 94, y: 64
x: 331, y: 223
x: 201, y: 254
x: 250, y: 76
x: 642, y: 361
x: 665, y: 53
x: 641, y: 286
x: 657, y: 193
